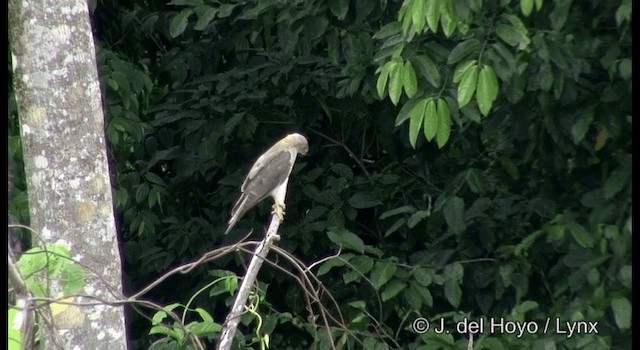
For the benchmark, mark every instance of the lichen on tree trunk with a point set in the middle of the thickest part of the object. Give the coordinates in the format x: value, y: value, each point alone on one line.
x: 62, y: 130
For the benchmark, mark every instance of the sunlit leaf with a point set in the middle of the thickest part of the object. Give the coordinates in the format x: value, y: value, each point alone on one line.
x: 461, y: 69
x: 415, y: 123
x: 395, y: 81
x: 382, y: 79
x: 410, y: 82
x: 526, y: 6
x: 467, y: 85
x: 418, y: 8
x: 444, y: 122
x: 430, y: 119
x: 487, y: 89
x: 433, y: 14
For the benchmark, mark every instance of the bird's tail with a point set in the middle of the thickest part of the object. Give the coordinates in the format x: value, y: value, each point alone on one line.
x: 237, y: 212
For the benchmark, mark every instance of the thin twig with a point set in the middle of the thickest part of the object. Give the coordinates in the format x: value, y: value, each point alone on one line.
x: 347, y: 149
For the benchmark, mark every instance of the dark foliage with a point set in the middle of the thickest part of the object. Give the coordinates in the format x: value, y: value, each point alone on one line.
x: 518, y: 206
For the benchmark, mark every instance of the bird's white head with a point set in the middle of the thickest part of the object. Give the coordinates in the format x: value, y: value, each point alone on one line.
x: 300, y: 142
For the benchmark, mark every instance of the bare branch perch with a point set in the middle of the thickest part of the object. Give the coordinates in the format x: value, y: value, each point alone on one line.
x: 260, y: 254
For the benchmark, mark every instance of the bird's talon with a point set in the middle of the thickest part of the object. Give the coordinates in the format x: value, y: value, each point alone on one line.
x: 278, y: 210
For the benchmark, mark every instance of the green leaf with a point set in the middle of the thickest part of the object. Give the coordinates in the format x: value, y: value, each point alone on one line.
x: 346, y: 239
x: 418, y: 8
x: 410, y: 82
x: 495, y: 344
x: 113, y: 84
x: 425, y: 294
x: 423, y: 276
x: 580, y: 127
x: 462, y: 50
x: 526, y: 6
x: 526, y: 306
x: 623, y: 13
x: 625, y: 69
x: 448, y: 18
x: 476, y: 181
x: 453, y: 271
x: 335, y: 262
x: 362, y: 264
x: 15, y: 335
x: 387, y: 30
x: 462, y: 69
x: 382, y: 273
x: 433, y: 14
x: 361, y: 200
x: 201, y: 329
x: 405, y: 111
x: 204, y: 315
x: 413, y: 298
x: 416, y: 218
x: 507, y: 34
x: 427, y: 69
x: 142, y: 192
x: 454, y: 214
x: 179, y: 22
x: 510, y: 167
x: 467, y: 85
x: 72, y: 278
x: 559, y: 14
x: 580, y: 235
x: 358, y: 304
x: 415, y: 123
x: 452, y: 292
x: 396, y: 82
x: 444, y: 122
x: 339, y: 8
x: 392, y: 289
x: 383, y: 78
x: 226, y: 10
x: 487, y: 89
x: 521, y: 249
x: 430, y: 119
x: 616, y: 182
x: 622, y: 312
x: 516, y: 35
x: 161, y: 315
x: 399, y: 223
x: 405, y: 209
x: 205, y: 17
x: 151, y: 177
x: 625, y: 276
x: 506, y: 272
x: 407, y: 23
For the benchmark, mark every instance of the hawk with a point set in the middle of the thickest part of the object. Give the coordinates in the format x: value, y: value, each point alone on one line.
x: 269, y: 176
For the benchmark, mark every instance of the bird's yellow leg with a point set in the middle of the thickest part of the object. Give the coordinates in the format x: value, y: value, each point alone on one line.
x: 278, y: 209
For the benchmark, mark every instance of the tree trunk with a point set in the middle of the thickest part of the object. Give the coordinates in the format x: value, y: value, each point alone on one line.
x: 62, y: 130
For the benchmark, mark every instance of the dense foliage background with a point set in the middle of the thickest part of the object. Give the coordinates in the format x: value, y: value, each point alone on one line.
x: 507, y: 196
